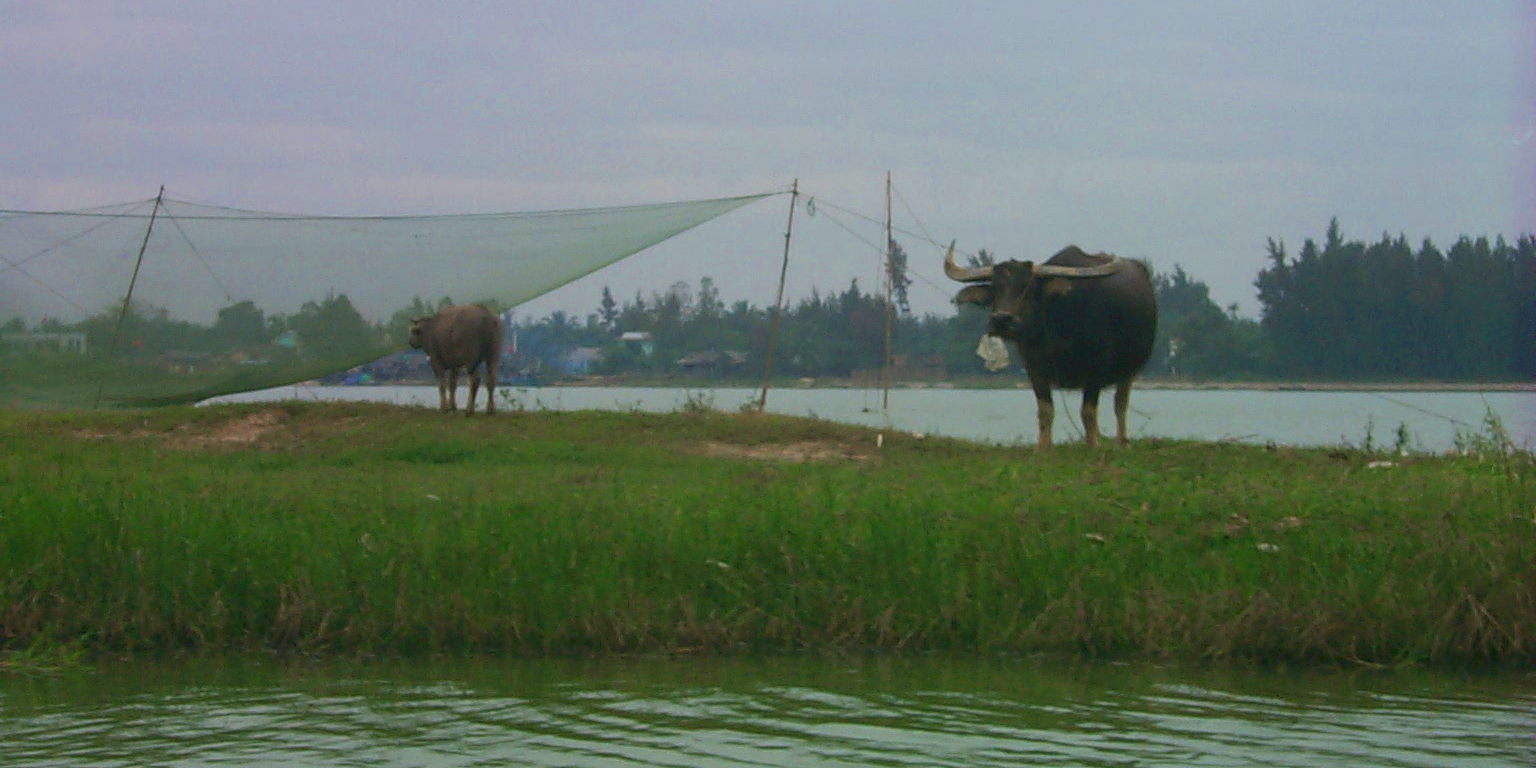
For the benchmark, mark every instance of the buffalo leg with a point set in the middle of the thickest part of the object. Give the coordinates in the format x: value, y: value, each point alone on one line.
x: 1045, y: 414
x: 1091, y: 415
x: 441, y: 375
x: 453, y: 389
x: 474, y: 389
x: 1122, y: 405
x: 490, y: 386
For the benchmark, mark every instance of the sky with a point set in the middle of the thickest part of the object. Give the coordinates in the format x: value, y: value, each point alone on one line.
x: 1183, y: 133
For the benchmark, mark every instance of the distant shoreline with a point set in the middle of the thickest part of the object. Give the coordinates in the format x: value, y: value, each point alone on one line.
x: 1022, y: 383
x: 1347, y: 386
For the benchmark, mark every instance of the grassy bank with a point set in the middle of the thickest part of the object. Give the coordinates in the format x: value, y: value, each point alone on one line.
x: 352, y: 528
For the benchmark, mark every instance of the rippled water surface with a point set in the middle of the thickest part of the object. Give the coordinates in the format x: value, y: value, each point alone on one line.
x: 763, y: 712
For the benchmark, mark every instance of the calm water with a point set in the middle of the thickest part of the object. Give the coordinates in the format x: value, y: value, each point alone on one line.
x: 1432, y: 419
x: 764, y: 712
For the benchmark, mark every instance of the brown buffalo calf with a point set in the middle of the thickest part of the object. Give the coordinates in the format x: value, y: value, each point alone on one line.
x: 464, y: 336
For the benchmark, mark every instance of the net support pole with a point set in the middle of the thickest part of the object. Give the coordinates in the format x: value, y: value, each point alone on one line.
x: 890, y: 310
x: 117, y: 332
x: 778, y: 303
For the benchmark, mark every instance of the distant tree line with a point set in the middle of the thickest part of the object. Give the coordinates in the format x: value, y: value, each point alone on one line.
x: 1347, y: 309
x: 1336, y: 310
x: 329, y: 328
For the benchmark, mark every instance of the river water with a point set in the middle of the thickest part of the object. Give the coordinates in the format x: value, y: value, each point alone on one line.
x: 1431, y: 421
x: 803, y: 711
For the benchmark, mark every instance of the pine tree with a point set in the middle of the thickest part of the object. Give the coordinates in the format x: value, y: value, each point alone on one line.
x: 608, y: 311
x: 900, y: 280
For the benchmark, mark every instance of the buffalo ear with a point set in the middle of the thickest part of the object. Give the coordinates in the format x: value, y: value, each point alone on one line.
x: 980, y: 294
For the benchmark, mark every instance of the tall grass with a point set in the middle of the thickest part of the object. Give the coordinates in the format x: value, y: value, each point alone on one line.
x: 377, y: 529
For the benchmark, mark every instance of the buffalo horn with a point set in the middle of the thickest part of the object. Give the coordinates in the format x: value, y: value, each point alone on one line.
x: 1107, y: 268
x: 963, y: 274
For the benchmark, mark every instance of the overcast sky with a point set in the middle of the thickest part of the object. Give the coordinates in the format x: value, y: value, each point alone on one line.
x: 1179, y: 132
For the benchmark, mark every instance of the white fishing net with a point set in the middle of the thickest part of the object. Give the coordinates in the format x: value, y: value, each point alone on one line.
x: 228, y: 300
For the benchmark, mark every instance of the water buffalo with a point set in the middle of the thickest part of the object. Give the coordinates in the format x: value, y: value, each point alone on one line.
x: 1080, y: 321
x: 464, y: 336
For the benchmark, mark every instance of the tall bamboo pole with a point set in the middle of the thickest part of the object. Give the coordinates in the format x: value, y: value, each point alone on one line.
x: 117, y: 331
x: 778, y: 303
x: 890, y: 279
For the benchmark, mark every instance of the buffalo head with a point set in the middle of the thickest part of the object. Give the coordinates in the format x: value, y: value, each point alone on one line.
x: 417, y: 337
x: 1014, y: 290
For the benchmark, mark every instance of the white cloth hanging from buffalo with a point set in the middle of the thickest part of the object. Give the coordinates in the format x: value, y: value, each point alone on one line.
x: 993, y: 352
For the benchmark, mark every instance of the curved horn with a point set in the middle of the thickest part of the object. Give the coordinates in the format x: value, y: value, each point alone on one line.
x: 1107, y: 268
x: 963, y: 274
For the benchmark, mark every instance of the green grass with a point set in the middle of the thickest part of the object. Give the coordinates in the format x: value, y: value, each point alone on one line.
x: 358, y: 529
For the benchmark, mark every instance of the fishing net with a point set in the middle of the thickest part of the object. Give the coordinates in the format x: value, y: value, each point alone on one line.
x: 228, y: 300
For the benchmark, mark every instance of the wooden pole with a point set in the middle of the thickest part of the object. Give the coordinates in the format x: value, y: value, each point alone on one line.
x: 778, y: 303
x: 890, y: 279
x: 117, y: 331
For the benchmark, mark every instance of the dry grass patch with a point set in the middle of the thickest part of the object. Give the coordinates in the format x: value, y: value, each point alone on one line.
x: 244, y: 430
x: 797, y: 452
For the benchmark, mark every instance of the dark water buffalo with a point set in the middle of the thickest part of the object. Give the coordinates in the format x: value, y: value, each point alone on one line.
x: 1080, y: 321
x: 464, y: 336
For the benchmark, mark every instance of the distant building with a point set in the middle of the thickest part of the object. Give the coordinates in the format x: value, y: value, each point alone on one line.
x: 639, y: 341
x: 66, y: 341
x: 183, y: 361
x: 580, y: 361
x: 922, y: 367
x: 711, y: 362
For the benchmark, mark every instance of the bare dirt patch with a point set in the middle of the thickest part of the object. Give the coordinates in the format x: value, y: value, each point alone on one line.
x: 793, y: 452
x: 266, y: 429
x: 92, y: 434
x: 246, y: 430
